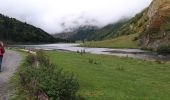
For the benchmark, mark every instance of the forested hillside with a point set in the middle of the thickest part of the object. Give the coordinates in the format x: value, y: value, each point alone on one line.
x: 15, y: 31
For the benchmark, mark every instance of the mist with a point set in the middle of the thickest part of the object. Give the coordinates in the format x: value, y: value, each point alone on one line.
x: 56, y: 16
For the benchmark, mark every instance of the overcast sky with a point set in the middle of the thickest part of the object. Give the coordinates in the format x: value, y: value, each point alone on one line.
x: 55, y: 16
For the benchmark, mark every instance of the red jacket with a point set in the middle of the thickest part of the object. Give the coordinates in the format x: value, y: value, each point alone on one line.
x: 2, y: 51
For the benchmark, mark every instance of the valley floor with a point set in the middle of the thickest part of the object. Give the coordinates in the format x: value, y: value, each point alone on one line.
x: 113, y: 78
x: 125, y: 41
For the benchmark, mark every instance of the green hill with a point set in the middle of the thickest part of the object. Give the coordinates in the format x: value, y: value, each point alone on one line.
x: 110, y: 31
x: 12, y: 30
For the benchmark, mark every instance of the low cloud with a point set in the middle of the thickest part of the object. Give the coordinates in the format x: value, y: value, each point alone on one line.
x: 58, y: 15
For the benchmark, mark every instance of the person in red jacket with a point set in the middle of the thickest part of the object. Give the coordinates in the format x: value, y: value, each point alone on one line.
x: 2, y: 51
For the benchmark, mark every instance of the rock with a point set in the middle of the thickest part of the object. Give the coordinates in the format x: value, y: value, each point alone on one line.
x: 158, y: 28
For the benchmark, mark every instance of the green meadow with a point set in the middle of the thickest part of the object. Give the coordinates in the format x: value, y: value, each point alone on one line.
x: 114, y: 78
x: 125, y: 41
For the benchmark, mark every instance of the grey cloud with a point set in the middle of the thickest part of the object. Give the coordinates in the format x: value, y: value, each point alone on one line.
x: 59, y: 15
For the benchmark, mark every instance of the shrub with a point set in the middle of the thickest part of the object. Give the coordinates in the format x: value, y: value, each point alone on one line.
x: 164, y: 49
x: 48, y: 79
x: 30, y: 59
x: 135, y: 38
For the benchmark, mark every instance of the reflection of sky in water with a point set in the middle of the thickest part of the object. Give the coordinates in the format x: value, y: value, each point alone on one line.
x: 134, y: 53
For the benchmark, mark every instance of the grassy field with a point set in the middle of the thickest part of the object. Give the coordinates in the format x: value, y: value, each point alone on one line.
x: 113, y: 78
x: 126, y: 41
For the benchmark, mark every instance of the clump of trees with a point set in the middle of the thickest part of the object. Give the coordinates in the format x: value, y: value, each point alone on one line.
x: 42, y: 79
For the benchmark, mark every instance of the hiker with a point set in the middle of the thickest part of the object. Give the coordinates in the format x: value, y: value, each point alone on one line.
x: 2, y: 51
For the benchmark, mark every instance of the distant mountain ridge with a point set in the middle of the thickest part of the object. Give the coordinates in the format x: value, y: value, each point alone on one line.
x: 91, y: 33
x: 16, y: 31
x: 86, y: 32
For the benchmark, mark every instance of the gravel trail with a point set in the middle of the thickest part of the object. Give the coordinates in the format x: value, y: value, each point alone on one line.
x: 11, y: 61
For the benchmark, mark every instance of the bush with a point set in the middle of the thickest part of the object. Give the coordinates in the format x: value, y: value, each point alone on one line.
x: 164, y: 49
x: 47, y: 78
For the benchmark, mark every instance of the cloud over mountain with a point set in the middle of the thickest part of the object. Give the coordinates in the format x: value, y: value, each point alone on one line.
x: 57, y: 15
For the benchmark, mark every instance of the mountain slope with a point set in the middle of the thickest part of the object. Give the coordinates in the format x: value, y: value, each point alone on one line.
x: 16, y: 31
x: 124, y: 34
x: 109, y: 31
x: 157, y: 34
x: 152, y: 26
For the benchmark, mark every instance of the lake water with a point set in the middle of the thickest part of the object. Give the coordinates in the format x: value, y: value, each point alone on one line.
x: 133, y: 53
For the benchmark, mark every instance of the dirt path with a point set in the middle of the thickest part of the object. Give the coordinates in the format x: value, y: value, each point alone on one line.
x: 11, y: 61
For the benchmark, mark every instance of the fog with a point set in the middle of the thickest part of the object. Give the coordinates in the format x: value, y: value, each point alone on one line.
x: 55, y: 16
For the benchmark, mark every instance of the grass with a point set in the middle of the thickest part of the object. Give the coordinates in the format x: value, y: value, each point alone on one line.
x: 126, y: 41
x: 115, y: 78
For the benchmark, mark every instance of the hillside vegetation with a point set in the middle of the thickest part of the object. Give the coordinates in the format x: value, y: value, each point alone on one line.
x: 15, y: 31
